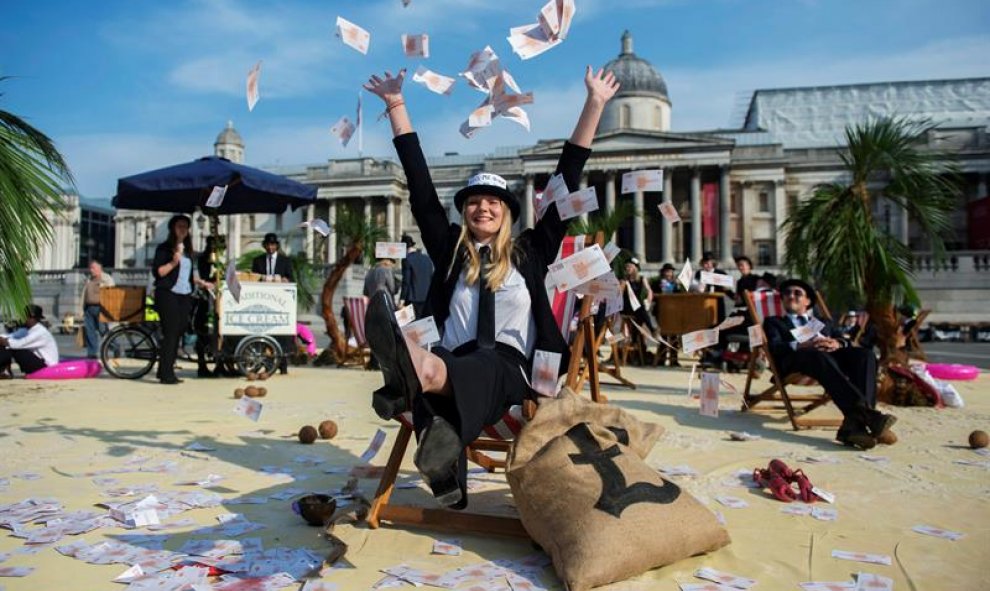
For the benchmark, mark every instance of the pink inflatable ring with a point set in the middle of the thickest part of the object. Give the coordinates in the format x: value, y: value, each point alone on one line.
x: 306, y: 336
x: 953, y: 371
x: 68, y: 370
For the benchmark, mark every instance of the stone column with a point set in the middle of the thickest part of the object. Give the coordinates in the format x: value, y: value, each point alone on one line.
x: 308, y: 245
x: 904, y: 226
x: 639, y: 227
x: 724, y: 217
x: 234, y: 241
x: 610, y: 195
x: 367, y: 208
x: 667, y: 240
x: 331, y: 251
x: 528, y: 213
x: 696, y: 248
x: 390, y: 219
x: 780, y: 214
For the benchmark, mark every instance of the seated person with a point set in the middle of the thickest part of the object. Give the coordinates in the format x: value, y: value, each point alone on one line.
x: 640, y: 308
x: 668, y: 280
x: 747, y: 281
x: 848, y: 373
x: 489, y: 302
x: 31, y: 346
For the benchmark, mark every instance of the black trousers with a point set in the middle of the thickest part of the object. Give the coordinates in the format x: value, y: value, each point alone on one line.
x: 485, y: 384
x: 174, y: 310
x: 849, y: 376
x: 26, y: 359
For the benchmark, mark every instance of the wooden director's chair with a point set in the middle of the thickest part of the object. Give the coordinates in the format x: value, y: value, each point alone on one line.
x: 360, y: 354
x: 777, y: 397
x: 496, y: 438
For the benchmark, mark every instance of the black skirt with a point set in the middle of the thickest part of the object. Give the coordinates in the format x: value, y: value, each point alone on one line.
x: 485, y: 384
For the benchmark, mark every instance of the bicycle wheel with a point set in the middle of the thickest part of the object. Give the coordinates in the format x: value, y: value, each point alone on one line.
x: 256, y: 354
x: 128, y: 352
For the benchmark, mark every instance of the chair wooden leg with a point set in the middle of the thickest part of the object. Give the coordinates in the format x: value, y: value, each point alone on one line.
x: 387, y: 483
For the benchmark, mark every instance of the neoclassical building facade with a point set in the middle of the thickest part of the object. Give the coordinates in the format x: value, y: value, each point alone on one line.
x: 732, y: 187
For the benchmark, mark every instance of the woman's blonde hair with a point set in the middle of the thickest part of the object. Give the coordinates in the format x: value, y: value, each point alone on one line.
x: 501, y: 256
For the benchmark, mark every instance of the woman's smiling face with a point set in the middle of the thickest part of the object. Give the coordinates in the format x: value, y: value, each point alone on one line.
x: 483, y: 215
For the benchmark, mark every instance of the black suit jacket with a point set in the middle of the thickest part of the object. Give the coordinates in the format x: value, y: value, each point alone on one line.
x: 535, y: 249
x: 283, y: 266
x: 417, y: 272
x: 163, y: 254
x: 779, y: 339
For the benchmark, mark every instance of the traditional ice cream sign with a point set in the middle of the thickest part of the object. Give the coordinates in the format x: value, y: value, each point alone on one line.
x: 264, y: 308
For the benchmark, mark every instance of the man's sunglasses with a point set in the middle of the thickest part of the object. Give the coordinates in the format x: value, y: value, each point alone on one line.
x: 793, y: 292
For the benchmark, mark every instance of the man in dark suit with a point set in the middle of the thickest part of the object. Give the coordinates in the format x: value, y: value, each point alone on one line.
x: 417, y: 272
x: 848, y: 373
x: 273, y: 265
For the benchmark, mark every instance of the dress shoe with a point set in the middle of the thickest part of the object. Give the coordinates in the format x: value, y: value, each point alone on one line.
x: 436, y: 458
x: 881, y: 423
x: 389, y: 349
x: 205, y: 373
x: 170, y: 381
x: 856, y: 437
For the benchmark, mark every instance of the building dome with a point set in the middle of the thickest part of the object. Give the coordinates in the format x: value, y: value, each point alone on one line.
x: 636, y: 75
x: 229, y: 136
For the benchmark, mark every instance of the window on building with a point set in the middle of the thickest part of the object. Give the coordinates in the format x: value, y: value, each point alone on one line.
x: 764, y: 253
x: 792, y: 202
x: 764, y: 202
x: 278, y: 222
x: 737, y: 248
x: 251, y: 223
x: 657, y: 117
x: 734, y: 201
x: 625, y: 116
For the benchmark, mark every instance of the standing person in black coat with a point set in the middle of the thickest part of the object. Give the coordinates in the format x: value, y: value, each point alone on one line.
x: 273, y: 265
x: 417, y: 272
x: 848, y: 373
x: 173, y: 272
x: 487, y: 297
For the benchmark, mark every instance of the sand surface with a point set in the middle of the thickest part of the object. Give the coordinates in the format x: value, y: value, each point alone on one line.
x: 53, y: 433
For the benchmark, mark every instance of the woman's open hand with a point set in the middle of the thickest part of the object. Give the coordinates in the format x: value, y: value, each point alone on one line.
x: 601, y: 85
x: 388, y: 88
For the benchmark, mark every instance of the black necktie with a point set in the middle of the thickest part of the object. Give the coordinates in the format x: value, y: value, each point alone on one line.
x: 271, y: 264
x: 486, y: 304
x: 802, y: 320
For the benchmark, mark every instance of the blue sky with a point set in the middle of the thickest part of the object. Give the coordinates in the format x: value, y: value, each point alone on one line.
x: 123, y: 86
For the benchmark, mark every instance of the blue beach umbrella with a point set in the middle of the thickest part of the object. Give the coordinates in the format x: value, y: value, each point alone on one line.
x: 184, y: 187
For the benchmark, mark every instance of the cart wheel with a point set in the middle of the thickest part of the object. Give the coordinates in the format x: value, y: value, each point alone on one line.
x: 128, y: 352
x: 256, y: 354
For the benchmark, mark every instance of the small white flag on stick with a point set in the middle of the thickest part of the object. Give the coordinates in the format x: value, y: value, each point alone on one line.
x: 252, y: 86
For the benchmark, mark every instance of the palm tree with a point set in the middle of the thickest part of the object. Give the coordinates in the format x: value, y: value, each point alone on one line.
x: 32, y: 174
x: 356, y: 233
x: 834, y: 238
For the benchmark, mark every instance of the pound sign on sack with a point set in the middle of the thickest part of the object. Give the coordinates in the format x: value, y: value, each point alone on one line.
x: 616, y: 495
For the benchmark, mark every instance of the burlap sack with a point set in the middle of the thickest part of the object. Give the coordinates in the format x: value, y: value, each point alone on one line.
x: 587, y: 497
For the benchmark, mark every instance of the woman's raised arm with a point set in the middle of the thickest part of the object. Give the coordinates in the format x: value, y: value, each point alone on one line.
x: 601, y: 86
x: 389, y: 89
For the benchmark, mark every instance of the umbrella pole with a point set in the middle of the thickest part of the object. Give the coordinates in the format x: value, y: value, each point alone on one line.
x: 219, y: 262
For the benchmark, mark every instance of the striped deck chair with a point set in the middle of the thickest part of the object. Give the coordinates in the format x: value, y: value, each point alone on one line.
x: 496, y: 438
x: 762, y: 304
x: 359, y: 353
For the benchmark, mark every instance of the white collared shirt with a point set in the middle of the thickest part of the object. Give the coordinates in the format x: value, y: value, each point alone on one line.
x: 270, y: 263
x: 38, y: 340
x: 514, y: 322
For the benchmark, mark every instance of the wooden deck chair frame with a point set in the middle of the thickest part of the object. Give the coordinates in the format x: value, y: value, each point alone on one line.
x: 361, y: 354
x: 462, y: 521
x: 862, y: 321
x: 911, y: 341
x: 777, y: 397
x: 613, y: 368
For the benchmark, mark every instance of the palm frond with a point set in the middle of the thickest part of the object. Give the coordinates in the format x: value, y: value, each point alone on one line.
x: 32, y: 176
x: 608, y: 223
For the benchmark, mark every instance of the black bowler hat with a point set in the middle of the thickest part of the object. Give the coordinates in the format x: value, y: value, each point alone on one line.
x: 810, y: 291
x: 270, y: 238
x: 407, y: 240
x: 34, y: 311
x: 667, y: 267
x: 486, y: 183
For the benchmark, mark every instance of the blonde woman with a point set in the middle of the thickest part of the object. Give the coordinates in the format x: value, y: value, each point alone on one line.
x: 487, y: 296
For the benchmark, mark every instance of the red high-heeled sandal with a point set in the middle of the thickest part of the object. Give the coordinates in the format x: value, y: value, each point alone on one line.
x: 779, y: 488
x: 805, y: 486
